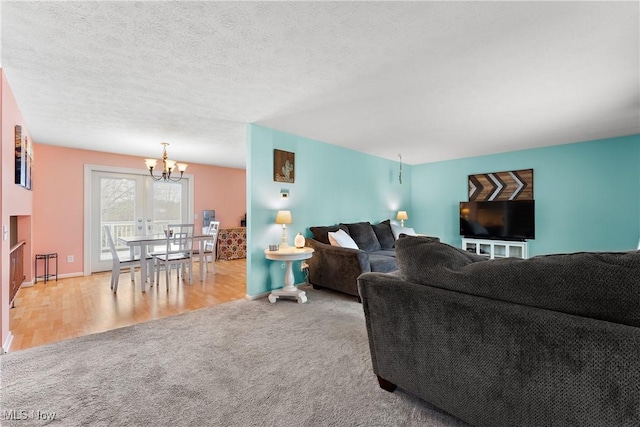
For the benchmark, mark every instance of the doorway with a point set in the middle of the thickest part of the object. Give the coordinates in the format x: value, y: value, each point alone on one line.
x: 130, y: 203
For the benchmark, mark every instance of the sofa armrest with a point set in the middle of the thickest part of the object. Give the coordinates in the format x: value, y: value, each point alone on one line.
x: 336, y: 268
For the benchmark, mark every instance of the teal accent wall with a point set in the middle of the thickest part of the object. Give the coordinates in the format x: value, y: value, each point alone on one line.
x: 332, y: 185
x: 587, y: 194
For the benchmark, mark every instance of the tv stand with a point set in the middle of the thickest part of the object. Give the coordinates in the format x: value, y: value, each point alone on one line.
x: 496, y: 248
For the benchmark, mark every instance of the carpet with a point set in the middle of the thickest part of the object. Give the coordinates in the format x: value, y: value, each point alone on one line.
x: 242, y: 363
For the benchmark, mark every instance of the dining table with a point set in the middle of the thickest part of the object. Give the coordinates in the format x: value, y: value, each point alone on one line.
x: 143, y: 242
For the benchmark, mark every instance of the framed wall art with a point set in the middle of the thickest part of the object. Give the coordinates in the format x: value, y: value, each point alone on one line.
x: 284, y: 166
x: 499, y: 186
x: 24, y: 159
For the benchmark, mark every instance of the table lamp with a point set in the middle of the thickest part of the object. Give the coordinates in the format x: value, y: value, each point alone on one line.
x: 284, y: 218
x: 402, y: 215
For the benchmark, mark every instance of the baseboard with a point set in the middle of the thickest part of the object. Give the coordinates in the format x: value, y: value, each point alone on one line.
x: 60, y: 276
x: 7, y: 344
x: 255, y: 297
x: 67, y: 275
x: 27, y: 284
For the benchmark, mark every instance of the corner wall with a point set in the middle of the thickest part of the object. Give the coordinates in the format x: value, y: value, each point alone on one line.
x: 15, y: 200
x: 332, y: 185
x: 587, y: 194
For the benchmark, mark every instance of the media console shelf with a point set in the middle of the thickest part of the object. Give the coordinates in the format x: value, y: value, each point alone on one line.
x: 495, y: 248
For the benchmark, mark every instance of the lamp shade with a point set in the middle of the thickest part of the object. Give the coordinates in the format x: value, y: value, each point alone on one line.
x: 402, y: 215
x: 284, y: 217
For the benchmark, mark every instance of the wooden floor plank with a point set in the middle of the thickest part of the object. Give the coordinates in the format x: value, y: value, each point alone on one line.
x: 72, y: 307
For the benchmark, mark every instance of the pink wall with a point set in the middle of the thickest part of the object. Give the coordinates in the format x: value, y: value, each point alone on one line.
x: 16, y: 200
x: 50, y: 218
x: 58, y: 206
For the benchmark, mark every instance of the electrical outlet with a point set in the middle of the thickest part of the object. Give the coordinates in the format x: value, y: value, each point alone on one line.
x: 70, y: 258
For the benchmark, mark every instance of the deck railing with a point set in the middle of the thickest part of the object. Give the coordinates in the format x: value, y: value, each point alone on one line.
x: 125, y: 229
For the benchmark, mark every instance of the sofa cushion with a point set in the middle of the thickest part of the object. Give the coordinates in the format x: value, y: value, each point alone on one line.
x: 342, y: 239
x: 321, y: 233
x: 384, y: 234
x: 381, y: 263
x: 601, y: 285
x: 385, y: 252
x: 419, y: 255
x: 364, y: 236
x: 397, y: 231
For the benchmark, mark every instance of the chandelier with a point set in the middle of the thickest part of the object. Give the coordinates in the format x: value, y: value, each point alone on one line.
x: 168, y: 166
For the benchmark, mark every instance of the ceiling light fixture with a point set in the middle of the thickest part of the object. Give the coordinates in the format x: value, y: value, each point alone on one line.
x: 168, y: 166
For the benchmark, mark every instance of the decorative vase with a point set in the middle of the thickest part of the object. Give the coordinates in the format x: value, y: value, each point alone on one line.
x: 299, y: 241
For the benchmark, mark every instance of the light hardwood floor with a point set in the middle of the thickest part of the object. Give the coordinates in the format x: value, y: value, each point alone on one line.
x: 55, y: 311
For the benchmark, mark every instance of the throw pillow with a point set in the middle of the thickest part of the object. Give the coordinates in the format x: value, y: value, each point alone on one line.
x: 384, y: 234
x: 397, y: 231
x: 321, y: 233
x: 362, y: 233
x: 342, y: 239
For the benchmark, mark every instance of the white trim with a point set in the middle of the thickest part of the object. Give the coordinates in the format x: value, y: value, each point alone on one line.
x: 7, y: 344
x: 27, y: 284
x: 86, y: 257
x: 67, y: 275
x: 32, y: 283
x: 88, y: 170
x: 255, y: 297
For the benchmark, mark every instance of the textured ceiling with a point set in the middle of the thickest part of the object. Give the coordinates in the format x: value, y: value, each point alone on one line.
x: 429, y: 80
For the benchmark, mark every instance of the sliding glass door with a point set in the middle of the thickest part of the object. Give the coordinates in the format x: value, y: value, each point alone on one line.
x: 131, y: 204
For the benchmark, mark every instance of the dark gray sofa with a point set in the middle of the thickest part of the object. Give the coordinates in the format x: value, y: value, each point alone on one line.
x: 549, y: 341
x: 338, y: 268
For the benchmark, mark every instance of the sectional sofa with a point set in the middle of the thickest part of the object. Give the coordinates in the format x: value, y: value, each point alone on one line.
x: 338, y: 267
x: 552, y: 340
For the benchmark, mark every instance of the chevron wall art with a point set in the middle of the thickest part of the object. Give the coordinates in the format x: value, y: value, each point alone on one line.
x: 498, y: 186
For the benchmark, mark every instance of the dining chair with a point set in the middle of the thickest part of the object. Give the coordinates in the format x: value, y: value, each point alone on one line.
x: 210, y: 246
x: 178, y: 252
x: 119, y: 261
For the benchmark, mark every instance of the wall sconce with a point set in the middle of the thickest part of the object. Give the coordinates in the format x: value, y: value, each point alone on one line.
x: 402, y: 215
x: 284, y: 218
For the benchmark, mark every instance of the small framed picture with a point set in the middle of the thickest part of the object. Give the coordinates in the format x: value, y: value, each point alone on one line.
x: 284, y: 166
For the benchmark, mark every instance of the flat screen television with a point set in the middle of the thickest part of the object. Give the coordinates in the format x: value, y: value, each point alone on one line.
x: 503, y: 220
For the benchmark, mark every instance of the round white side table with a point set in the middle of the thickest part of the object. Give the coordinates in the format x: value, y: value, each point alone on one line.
x: 288, y: 255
